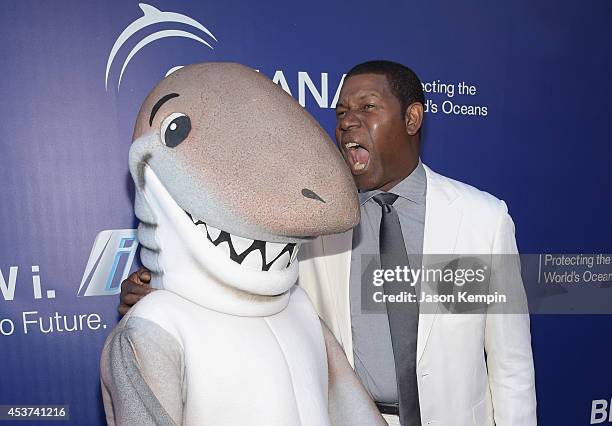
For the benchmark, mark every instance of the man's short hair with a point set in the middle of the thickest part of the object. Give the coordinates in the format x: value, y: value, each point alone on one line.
x: 404, y: 82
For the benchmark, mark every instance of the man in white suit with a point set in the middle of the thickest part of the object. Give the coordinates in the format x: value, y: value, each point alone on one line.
x: 379, y: 117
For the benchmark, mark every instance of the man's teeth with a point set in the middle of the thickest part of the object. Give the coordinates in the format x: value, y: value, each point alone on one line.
x: 249, y: 252
x: 359, y: 166
x: 351, y: 145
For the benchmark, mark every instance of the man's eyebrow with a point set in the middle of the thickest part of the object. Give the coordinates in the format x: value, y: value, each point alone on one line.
x: 159, y: 103
x: 368, y: 94
x: 361, y: 97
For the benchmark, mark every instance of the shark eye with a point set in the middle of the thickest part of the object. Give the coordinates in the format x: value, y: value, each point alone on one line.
x: 174, y: 129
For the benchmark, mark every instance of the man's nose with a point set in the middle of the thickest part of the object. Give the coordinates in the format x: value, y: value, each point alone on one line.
x: 348, y: 121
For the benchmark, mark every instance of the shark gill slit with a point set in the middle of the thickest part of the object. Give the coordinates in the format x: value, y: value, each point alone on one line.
x: 141, y: 165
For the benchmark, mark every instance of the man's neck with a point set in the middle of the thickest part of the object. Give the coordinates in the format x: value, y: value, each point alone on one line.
x: 408, y: 171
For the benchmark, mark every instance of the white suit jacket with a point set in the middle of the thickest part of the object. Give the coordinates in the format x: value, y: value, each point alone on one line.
x: 457, y: 386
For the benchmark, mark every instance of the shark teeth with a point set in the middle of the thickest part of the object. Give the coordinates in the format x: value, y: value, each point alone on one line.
x: 273, y: 250
x: 202, y: 228
x: 213, y: 232
x: 282, y: 262
x: 247, y: 252
x: 253, y: 260
x: 225, y: 246
x: 294, y: 255
x: 240, y: 244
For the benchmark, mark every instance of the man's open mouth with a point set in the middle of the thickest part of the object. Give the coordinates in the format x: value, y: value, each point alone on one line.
x: 254, y: 254
x: 358, y: 157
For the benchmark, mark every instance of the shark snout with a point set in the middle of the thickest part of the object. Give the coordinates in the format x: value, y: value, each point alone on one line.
x: 327, y: 207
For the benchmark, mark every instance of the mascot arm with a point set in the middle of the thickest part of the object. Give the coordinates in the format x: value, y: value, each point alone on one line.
x: 349, y: 402
x: 142, y: 373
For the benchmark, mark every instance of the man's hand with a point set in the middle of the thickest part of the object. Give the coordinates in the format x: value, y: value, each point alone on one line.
x: 134, y: 288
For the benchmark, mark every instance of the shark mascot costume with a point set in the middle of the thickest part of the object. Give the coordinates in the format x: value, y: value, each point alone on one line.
x: 231, y: 176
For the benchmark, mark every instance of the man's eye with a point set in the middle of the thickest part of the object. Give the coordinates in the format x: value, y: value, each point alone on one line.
x: 340, y: 114
x: 368, y: 106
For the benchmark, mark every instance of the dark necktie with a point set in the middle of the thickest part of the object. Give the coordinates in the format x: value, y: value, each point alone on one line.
x: 403, y: 316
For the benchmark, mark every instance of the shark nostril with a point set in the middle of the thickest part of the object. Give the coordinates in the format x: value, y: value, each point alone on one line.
x: 311, y: 194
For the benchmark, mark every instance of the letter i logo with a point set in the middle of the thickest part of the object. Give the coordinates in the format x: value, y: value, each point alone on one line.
x: 109, y: 263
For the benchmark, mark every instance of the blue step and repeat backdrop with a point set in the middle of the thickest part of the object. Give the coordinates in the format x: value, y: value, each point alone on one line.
x: 518, y: 104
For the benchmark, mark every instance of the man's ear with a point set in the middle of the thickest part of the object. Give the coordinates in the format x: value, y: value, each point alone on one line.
x: 413, y: 118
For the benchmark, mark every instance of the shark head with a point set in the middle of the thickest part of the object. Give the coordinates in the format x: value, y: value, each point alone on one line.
x: 232, y: 175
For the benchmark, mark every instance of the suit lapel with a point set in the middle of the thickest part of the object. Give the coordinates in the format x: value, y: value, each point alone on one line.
x: 442, y: 221
x: 337, y: 251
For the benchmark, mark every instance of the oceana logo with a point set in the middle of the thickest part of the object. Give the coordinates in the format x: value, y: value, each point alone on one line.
x: 153, y: 16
